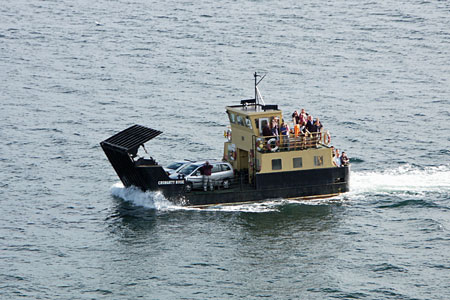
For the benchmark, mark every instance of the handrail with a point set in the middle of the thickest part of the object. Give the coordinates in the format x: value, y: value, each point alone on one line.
x: 291, y: 142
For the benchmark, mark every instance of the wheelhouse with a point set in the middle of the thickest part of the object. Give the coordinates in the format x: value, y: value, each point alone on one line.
x: 252, y: 151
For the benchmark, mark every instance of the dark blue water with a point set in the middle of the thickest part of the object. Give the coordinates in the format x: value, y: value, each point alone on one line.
x: 74, y: 73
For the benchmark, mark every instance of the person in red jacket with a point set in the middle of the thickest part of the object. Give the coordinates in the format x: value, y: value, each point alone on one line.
x: 206, y: 172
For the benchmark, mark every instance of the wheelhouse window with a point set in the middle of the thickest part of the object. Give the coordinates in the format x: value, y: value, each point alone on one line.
x: 232, y: 117
x: 318, y: 161
x: 297, y: 162
x: 248, y: 122
x: 276, y: 164
x: 240, y: 120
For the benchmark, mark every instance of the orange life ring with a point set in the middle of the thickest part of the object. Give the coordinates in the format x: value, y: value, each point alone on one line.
x: 327, y: 138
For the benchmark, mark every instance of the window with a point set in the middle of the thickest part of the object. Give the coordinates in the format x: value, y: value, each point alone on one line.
x: 276, y: 164
x: 248, y: 122
x: 240, y: 120
x: 318, y: 161
x: 226, y: 167
x: 216, y: 168
x: 232, y: 117
x: 263, y: 122
x: 297, y: 162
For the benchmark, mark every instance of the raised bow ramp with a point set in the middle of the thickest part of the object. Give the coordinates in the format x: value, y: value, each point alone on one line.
x: 122, y: 147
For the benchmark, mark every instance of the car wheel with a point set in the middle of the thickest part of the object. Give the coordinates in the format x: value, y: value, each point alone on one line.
x: 188, y: 187
x: 226, y: 184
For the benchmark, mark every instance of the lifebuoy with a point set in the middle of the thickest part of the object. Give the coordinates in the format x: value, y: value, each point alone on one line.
x: 272, y: 144
x: 327, y: 138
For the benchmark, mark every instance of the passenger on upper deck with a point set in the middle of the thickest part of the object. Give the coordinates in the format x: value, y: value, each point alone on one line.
x: 295, y: 118
x: 266, y: 130
x: 303, y: 116
x: 275, y: 127
x: 284, y: 132
x: 310, y: 124
x: 317, y: 125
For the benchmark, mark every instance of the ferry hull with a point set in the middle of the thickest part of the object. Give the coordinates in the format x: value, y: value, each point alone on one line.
x: 320, y: 183
x: 147, y: 175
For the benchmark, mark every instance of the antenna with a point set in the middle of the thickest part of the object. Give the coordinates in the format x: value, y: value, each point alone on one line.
x: 257, y: 92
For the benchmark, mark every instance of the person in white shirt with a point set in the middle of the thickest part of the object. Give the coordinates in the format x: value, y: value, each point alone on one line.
x: 337, y: 159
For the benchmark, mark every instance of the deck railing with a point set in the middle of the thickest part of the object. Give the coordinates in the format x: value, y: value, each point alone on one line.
x: 291, y: 142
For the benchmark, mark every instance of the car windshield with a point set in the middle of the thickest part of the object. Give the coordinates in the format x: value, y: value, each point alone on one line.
x: 188, y: 170
x: 174, y: 165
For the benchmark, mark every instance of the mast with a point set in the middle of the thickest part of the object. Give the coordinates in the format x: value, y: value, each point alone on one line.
x: 257, y: 93
x: 256, y: 89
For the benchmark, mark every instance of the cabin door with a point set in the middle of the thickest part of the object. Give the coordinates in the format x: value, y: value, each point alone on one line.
x: 263, y: 122
x: 243, y: 160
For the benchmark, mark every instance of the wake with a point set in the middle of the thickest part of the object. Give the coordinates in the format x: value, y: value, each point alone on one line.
x: 402, y: 179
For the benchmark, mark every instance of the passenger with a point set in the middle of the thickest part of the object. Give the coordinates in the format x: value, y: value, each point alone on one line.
x: 266, y: 130
x: 303, y: 116
x: 295, y: 118
x: 318, y: 127
x: 344, y: 159
x: 310, y: 130
x: 337, y: 159
x: 303, y: 127
x: 285, y: 134
x: 205, y: 170
x: 310, y: 124
x: 275, y: 128
x: 303, y: 132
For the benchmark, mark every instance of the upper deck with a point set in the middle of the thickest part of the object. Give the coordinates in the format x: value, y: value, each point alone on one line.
x: 249, y: 107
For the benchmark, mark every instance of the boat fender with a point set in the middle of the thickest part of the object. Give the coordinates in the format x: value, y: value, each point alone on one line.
x: 259, y: 144
x: 327, y: 138
x: 227, y: 134
x: 272, y: 144
x: 232, y: 155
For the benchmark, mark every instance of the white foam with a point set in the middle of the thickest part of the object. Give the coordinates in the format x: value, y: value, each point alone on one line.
x: 153, y: 200
x: 405, y: 178
x: 272, y: 205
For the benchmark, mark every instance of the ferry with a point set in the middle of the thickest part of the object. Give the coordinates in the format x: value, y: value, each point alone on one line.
x: 296, y: 165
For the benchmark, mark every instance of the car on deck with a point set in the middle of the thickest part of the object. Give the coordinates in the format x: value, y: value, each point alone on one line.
x: 221, y: 174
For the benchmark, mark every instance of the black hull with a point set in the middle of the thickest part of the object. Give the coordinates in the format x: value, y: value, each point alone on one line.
x: 319, y: 183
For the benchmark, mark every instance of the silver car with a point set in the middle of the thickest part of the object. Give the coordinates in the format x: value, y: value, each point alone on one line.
x: 221, y: 175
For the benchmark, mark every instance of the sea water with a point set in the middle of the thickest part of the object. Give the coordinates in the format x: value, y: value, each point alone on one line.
x: 74, y: 73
